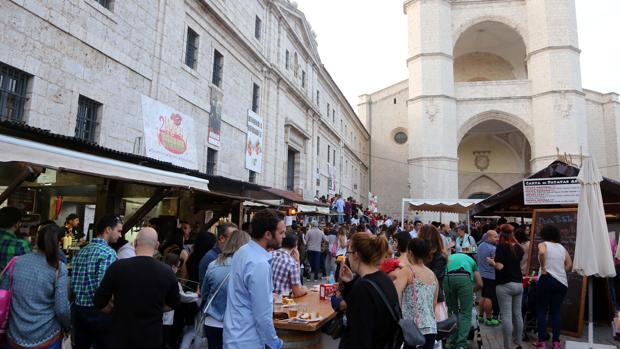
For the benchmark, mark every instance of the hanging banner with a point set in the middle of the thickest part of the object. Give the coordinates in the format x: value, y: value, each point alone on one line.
x: 215, y: 118
x: 331, y: 179
x: 254, y: 143
x: 168, y: 134
x: 551, y: 191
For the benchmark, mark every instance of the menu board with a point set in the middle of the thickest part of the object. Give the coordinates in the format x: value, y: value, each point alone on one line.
x: 551, y: 191
x: 564, y: 219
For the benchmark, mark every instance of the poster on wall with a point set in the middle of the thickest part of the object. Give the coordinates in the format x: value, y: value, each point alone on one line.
x: 215, y: 118
x: 331, y: 180
x: 254, y: 143
x: 551, y: 191
x: 168, y: 134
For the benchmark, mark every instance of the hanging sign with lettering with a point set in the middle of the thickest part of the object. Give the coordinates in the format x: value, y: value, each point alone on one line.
x: 254, y: 143
x: 551, y: 191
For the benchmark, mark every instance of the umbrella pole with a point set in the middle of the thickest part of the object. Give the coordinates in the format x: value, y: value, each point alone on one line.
x: 590, y: 313
x: 468, y: 232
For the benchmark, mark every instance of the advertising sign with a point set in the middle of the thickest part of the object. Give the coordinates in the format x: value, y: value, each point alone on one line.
x: 168, y: 134
x: 254, y: 143
x: 551, y: 191
x: 215, y: 118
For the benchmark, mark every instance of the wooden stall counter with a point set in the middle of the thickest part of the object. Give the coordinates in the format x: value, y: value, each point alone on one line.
x: 305, y: 335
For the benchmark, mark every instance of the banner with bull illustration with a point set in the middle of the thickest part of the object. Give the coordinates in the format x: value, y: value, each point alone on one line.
x: 254, y: 143
x: 168, y: 134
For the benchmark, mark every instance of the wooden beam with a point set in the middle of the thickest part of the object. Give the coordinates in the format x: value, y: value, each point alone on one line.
x: 159, y: 195
x: 29, y: 173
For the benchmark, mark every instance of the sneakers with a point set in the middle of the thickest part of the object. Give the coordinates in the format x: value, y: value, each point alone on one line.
x: 491, y: 322
x: 541, y: 345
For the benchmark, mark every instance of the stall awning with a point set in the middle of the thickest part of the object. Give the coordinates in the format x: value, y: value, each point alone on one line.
x: 447, y: 205
x: 50, y: 156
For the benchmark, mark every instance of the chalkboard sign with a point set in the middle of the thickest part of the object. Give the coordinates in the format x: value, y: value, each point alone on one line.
x: 564, y: 219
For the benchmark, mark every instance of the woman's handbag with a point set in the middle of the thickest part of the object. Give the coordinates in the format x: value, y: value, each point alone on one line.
x: 5, y: 301
x: 409, y: 330
x: 199, y: 325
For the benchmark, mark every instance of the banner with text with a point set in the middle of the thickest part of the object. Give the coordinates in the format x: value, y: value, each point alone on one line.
x: 168, y: 134
x: 254, y: 144
x: 215, y: 118
x: 551, y: 191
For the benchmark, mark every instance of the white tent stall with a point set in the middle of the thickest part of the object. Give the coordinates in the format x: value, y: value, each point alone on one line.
x: 438, y: 205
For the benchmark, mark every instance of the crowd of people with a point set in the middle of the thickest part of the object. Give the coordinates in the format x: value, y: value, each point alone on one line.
x: 222, y: 287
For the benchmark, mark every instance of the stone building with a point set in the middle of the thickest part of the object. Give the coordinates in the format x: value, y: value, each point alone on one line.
x: 494, y: 93
x: 86, y: 68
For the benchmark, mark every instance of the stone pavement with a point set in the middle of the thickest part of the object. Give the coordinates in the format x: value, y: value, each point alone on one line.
x: 492, y: 337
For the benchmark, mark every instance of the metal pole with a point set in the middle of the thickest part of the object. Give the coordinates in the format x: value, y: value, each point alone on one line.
x: 590, y: 314
x: 402, y: 214
x: 468, y: 232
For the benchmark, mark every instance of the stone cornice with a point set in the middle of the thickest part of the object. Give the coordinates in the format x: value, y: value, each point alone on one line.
x: 542, y: 94
x: 551, y: 48
x: 431, y: 158
x: 429, y: 54
x: 420, y: 97
x: 411, y: 2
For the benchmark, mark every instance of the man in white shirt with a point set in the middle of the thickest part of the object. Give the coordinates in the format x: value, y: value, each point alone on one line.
x: 340, y: 209
x: 315, y: 237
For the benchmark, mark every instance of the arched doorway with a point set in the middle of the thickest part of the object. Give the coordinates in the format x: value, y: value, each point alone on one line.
x: 492, y: 156
x: 489, y: 51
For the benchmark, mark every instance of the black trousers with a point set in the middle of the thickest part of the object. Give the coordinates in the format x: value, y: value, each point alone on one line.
x: 90, y: 326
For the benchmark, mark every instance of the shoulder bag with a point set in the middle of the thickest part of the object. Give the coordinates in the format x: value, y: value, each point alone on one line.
x: 5, y: 301
x: 409, y: 330
x: 202, y: 316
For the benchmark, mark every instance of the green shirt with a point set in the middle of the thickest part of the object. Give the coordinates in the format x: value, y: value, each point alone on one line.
x: 462, y: 261
x: 89, y: 267
x: 11, y: 246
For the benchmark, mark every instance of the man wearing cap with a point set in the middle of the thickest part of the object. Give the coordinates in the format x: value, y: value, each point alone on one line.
x: 285, y: 268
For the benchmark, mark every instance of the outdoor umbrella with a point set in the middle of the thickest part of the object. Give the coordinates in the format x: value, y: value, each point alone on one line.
x: 592, y: 249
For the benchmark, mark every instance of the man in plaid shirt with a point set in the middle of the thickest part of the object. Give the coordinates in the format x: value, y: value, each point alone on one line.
x: 90, y: 325
x: 286, y: 273
x: 10, y: 245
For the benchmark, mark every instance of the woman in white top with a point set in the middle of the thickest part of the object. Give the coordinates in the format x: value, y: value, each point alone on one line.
x: 552, y: 284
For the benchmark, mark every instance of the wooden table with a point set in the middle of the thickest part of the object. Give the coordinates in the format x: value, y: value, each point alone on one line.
x: 305, y: 335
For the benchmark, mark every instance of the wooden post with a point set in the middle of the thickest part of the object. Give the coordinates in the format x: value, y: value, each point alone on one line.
x: 159, y: 195
x: 29, y: 173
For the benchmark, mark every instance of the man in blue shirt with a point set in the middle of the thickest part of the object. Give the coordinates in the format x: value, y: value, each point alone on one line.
x: 340, y: 209
x: 248, y: 322
x: 488, y: 300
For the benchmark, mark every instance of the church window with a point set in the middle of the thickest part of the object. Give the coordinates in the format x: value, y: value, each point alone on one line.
x: 400, y: 137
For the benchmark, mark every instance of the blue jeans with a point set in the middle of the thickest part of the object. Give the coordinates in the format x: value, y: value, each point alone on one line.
x: 315, y: 262
x: 340, y: 218
x: 550, y: 295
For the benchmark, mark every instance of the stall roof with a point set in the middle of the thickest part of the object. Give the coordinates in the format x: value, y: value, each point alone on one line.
x: 288, y: 196
x: 509, y: 202
x: 447, y: 205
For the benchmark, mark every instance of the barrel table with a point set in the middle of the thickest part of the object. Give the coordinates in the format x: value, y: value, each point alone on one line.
x: 305, y: 335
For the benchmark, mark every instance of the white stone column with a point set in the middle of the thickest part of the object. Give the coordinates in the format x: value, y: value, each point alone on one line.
x: 558, y: 102
x: 431, y: 106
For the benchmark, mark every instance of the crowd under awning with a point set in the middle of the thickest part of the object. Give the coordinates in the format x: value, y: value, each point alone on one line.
x: 509, y: 202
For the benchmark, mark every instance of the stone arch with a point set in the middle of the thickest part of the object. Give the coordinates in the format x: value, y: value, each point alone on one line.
x: 490, y: 48
x: 516, y: 26
x: 508, y: 118
x: 482, y: 184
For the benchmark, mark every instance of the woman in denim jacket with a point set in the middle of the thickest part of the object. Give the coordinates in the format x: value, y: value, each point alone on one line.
x: 217, y: 278
x: 40, y: 303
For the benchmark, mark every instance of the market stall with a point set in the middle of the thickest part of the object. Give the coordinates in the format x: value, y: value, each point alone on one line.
x: 454, y: 206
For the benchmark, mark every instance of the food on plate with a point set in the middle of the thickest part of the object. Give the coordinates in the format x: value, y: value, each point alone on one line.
x: 305, y: 316
x: 288, y: 301
x: 340, y: 259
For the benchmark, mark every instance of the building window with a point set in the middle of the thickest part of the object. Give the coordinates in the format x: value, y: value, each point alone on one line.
x: 257, y: 27
x: 328, y: 152
x: 13, y: 84
x: 211, y: 161
x: 328, y: 110
x: 333, y: 116
x: 87, y: 119
x: 334, y: 158
x: 252, y: 178
x: 255, y: 98
x: 191, y: 48
x: 105, y: 3
x: 318, y: 96
x: 303, y: 79
x: 287, y: 60
x: 218, y: 68
x: 400, y: 137
x: 318, y: 146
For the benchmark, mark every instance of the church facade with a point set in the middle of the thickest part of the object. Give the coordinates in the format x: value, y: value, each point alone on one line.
x: 494, y: 93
